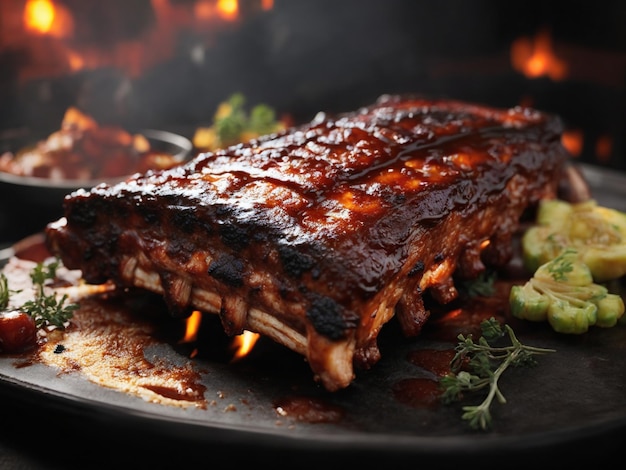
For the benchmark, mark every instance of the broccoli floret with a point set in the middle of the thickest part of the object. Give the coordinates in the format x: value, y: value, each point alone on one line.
x: 562, y: 292
x: 231, y: 120
x: 262, y: 119
x: 597, y: 233
x: 232, y: 124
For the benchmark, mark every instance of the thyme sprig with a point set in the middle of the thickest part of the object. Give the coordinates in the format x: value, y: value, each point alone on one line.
x: 479, y: 365
x: 45, y: 309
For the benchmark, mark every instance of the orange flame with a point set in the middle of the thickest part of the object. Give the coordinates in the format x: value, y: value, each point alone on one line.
x: 192, y: 326
x: 228, y: 9
x: 44, y: 17
x: 535, y: 57
x: 243, y: 344
x: 39, y: 15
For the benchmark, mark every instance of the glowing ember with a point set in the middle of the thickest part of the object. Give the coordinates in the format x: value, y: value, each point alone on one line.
x: 452, y: 314
x: 572, y: 140
x: 243, y: 344
x: 76, y: 61
x: 604, y: 147
x: 535, y: 57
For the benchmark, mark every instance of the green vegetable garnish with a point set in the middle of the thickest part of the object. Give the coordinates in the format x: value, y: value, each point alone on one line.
x: 233, y: 123
x: 231, y: 120
x: 562, y: 292
x: 597, y: 233
x: 4, y: 292
x: 45, y: 309
x: 478, y: 366
x: 262, y: 119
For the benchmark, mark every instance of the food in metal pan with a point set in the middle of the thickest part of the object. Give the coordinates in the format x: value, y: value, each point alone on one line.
x: 84, y: 150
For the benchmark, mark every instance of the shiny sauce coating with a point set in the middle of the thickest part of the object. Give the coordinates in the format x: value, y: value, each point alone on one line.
x: 364, y: 184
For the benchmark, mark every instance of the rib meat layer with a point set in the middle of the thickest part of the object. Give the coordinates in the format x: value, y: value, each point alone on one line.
x: 318, y: 236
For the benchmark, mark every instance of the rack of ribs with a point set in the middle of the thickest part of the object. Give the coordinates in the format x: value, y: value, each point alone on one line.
x: 319, y: 235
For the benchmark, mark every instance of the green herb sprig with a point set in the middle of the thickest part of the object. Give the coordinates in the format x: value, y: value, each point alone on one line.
x: 481, y: 286
x: 5, y: 293
x: 45, y: 309
x: 477, y: 366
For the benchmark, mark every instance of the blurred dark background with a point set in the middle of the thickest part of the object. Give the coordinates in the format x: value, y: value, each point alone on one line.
x: 166, y: 64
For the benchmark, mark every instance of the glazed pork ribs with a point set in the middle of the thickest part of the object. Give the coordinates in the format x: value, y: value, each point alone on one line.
x: 318, y: 236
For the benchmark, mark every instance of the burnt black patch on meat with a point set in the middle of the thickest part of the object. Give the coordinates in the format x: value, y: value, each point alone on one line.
x: 295, y: 263
x: 150, y: 215
x: 186, y: 220
x: 416, y: 269
x: 227, y: 269
x: 180, y: 250
x: 84, y: 215
x: 234, y: 236
x: 328, y: 319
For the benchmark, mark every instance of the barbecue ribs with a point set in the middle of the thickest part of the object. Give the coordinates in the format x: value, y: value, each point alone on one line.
x: 317, y: 236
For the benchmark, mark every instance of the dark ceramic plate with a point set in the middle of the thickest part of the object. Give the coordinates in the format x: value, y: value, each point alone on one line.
x: 572, y: 404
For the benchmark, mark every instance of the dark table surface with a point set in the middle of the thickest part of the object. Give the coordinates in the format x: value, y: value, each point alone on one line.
x: 57, y: 439
x: 19, y: 219
x: 32, y: 440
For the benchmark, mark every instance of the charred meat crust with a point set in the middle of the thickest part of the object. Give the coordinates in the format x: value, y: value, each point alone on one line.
x: 319, y: 235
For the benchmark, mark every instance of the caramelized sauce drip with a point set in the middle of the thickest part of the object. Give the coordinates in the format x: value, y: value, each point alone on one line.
x: 446, y: 325
x: 310, y: 410
x: 432, y: 360
x: 418, y: 392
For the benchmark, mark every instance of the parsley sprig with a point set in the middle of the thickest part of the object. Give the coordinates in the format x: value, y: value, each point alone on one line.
x: 45, y: 309
x: 479, y: 365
